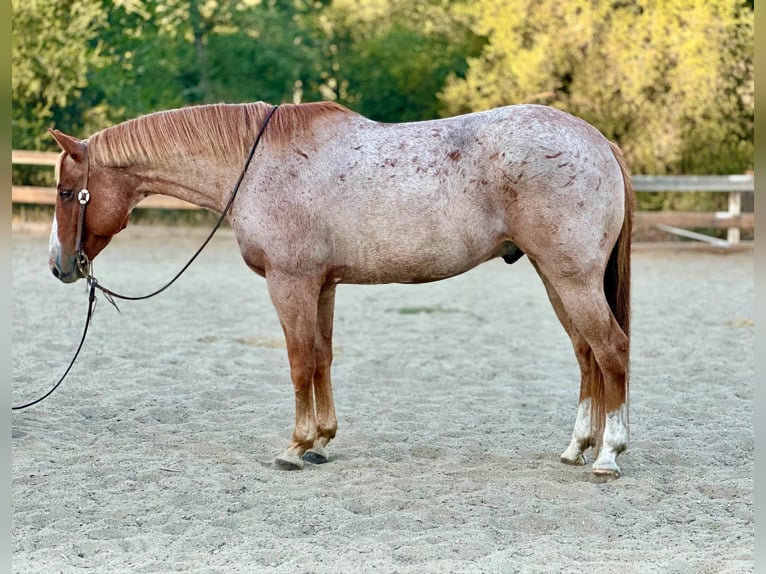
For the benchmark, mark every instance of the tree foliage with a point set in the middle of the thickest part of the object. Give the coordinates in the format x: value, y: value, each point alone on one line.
x: 389, y: 58
x: 186, y: 52
x: 55, y: 46
x: 670, y: 80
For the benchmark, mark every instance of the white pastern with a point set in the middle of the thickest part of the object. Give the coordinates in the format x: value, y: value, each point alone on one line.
x: 581, y: 435
x: 615, y: 441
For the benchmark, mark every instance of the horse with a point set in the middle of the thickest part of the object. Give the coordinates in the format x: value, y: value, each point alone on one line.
x: 333, y: 197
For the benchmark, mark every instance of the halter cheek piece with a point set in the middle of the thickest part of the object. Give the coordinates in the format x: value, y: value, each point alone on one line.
x: 83, y: 197
x: 82, y: 261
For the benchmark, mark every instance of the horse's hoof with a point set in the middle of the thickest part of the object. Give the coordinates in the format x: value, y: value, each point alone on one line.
x: 316, y: 455
x: 606, y: 474
x: 580, y: 460
x: 288, y: 461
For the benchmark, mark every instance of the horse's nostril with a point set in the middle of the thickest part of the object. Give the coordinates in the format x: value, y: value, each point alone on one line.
x: 56, y: 272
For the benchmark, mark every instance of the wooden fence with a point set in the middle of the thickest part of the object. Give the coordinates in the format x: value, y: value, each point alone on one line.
x: 675, y: 222
x: 681, y: 222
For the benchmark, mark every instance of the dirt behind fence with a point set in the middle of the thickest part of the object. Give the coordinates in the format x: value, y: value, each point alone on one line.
x: 454, y: 401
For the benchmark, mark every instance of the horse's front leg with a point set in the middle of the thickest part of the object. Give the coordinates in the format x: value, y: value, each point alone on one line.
x: 295, y: 299
x: 326, y: 422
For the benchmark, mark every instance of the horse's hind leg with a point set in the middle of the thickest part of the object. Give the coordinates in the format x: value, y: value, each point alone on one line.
x: 295, y: 300
x: 326, y: 422
x: 582, y: 436
x: 583, y: 299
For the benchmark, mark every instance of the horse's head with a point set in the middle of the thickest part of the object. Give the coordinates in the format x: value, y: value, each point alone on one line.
x: 106, y: 212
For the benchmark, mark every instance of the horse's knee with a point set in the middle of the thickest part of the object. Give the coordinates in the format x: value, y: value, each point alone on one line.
x: 322, y: 366
x: 302, y: 372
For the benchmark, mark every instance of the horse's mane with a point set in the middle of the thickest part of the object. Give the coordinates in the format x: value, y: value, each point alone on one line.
x: 223, y: 132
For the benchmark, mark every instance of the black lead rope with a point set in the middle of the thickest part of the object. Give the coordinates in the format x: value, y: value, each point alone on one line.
x: 91, y: 307
x: 110, y: 295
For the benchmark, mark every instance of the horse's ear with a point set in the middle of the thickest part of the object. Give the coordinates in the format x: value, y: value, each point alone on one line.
x: 72, y: 146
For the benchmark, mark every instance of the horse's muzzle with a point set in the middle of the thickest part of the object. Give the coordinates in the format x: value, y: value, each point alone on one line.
x: 65, y: 276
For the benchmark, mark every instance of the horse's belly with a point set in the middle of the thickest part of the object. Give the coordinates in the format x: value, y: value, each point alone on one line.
x: 396, y: 274
x: 397, y: 263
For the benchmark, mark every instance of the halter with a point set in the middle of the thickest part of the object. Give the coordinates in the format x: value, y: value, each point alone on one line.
x: 85, y: 266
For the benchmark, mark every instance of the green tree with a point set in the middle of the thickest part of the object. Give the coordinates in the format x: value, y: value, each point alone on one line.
x: 388, y: 59
x: 268, y: 52
x: 55, y: 45
x: 109, y: 60
x: 185, y: 52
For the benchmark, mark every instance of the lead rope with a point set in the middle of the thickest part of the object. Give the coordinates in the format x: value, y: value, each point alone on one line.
x: 110, y: 295
x: 91, y: 307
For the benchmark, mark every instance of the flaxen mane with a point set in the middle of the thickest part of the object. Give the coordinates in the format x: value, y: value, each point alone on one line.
x: 223, y: 132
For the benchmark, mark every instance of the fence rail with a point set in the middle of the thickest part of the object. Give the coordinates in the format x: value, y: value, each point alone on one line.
x: 679, y: 223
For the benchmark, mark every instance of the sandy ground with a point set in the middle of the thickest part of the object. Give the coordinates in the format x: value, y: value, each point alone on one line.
x: 454, y: 401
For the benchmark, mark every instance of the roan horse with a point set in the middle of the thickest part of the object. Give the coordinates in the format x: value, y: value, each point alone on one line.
x: 333, y: 197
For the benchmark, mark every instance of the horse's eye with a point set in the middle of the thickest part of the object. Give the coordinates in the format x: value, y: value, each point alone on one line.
x: 66, y: 194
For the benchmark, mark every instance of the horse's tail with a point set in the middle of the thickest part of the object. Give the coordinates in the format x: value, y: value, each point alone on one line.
x: 617, y: 291
x: 617, y: 276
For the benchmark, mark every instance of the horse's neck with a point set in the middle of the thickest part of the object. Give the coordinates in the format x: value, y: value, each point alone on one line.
x: 202, y: 182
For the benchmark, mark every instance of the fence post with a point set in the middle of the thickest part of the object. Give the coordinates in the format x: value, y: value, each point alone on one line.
x: 735, y: 208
